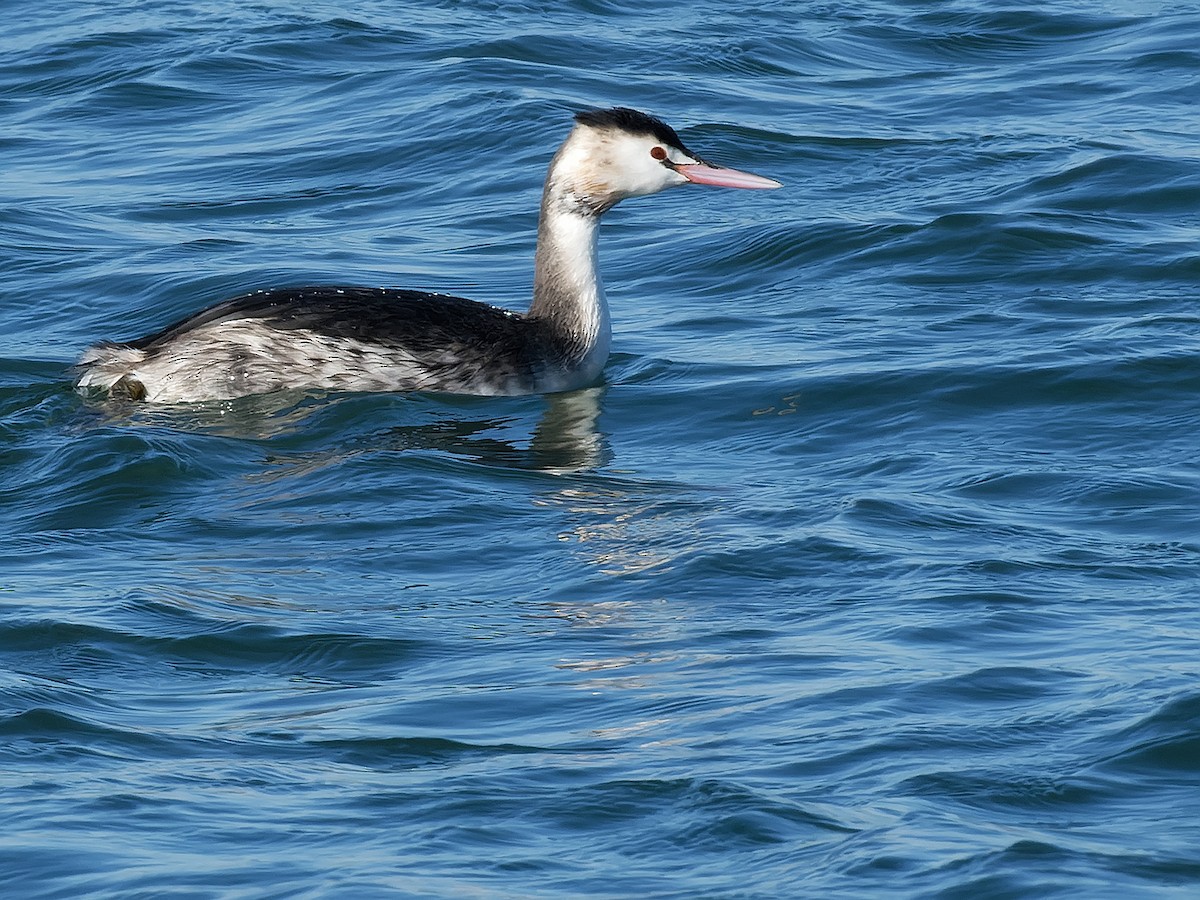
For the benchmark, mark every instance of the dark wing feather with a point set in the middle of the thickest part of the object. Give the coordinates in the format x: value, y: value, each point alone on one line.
x: 391, y: 317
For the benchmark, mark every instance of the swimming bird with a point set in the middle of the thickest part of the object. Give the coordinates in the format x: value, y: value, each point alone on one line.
x: 386, y: 339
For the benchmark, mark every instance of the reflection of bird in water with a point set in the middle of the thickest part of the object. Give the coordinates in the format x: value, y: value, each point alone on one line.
x: 564, y: 440
x: 378, y: 339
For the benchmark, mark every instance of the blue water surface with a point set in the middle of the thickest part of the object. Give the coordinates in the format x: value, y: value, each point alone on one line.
x: 871, y: 569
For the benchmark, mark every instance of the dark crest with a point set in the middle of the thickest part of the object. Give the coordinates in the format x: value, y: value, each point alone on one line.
x: 632, y: 121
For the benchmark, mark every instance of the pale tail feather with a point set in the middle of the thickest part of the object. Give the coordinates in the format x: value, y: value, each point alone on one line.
x: 104, y: 366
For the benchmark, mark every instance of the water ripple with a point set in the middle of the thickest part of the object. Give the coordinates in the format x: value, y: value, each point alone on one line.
x: 873, y: 561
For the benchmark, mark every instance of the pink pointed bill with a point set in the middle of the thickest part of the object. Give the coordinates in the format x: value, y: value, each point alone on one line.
x: 703, y: 173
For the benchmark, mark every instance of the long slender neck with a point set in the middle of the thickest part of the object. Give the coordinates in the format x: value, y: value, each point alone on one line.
x: 567, y: 295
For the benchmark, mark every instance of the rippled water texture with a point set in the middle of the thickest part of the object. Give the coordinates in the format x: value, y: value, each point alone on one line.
x: 870, y: 571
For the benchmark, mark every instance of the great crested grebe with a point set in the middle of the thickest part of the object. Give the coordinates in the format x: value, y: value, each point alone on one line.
x: 384, y: 339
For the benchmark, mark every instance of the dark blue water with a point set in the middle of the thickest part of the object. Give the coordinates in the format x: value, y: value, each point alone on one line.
x: 872, y: 570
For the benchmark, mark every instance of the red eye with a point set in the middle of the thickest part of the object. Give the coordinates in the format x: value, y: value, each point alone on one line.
x: 658, y: 152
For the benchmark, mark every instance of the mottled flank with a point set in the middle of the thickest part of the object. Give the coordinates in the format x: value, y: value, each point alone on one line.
x: 334, y: 339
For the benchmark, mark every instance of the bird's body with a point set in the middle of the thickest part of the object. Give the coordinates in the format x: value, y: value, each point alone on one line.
x: 380, y: 339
